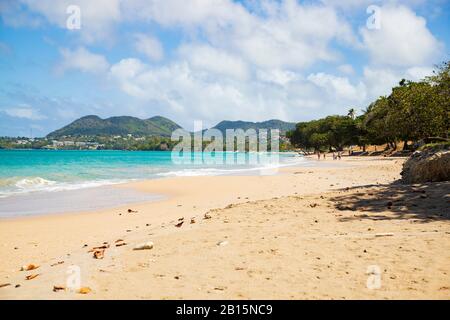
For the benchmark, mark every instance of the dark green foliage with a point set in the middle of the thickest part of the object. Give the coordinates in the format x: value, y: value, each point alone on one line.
x: 93, y: 125
x: 324, y: 134
x: 12, y: 143
x: 414, y: 111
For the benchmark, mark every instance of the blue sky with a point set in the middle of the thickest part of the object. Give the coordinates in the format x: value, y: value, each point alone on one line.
x: 209, y: 60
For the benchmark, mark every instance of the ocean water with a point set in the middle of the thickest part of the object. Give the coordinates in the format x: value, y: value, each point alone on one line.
x: 41, y: 171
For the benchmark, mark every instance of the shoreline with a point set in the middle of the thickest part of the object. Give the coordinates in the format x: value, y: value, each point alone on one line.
x: 235, y: 204
x: 129, y: 192
x: 36, y: 184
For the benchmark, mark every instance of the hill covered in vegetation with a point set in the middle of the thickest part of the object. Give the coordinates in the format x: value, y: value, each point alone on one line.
x: 95, y: 126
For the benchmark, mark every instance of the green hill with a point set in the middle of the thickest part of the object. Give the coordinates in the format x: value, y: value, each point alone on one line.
x: 156, y: 126
x: 94, y: 125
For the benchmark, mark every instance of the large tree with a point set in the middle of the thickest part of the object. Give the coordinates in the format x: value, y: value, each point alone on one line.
x: 440, y: 80
x: 413, y: 111
x: 331, y: 132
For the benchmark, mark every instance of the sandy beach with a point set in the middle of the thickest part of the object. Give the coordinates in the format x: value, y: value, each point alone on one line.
x: 343, y: 231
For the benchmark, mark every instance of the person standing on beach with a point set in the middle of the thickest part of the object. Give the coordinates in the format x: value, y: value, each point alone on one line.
x: 318, y: 154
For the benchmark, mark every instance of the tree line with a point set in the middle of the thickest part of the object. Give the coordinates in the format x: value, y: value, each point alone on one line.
x: 413, y: 112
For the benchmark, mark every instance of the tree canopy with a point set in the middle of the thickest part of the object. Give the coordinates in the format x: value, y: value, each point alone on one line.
x: 412, y: 112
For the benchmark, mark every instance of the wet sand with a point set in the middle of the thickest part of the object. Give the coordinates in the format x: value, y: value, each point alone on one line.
x: 71, y: 201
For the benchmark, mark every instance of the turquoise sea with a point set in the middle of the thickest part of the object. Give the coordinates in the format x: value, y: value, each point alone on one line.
x: 41, y: 171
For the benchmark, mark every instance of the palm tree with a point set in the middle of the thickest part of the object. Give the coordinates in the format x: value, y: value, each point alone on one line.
x: 351, y: 113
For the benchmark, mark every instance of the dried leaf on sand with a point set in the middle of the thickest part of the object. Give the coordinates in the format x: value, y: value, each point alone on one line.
x: 99, y: 254
x: 121, y: 244
x: 58, y: 288
x: 29, y: 267
x: 207, y: 216
x: 84, y: 290
x: 179, y: 224
x: 31, y: 276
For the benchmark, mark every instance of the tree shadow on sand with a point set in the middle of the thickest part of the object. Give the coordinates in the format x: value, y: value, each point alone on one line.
x: 425, y: 202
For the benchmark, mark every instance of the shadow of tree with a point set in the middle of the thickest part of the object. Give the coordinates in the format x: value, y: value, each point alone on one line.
x: 426, y: 202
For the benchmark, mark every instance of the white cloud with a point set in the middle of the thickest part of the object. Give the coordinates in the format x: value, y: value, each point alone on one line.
x: 359, y: 4
x: 83, y: 60
x: 286, y: 34
x: 150, y: 46
x: 177, y: 87
x: 376, y: 87
x: 277, y: 76
x: 213, y: 60
x: 236, y: 62
x: 24, y: 112
x: 418, y: 73
x: 403, y: 39
x: 339, y: 87
x: 213, y: 13
x: 380, y: 81
x: 182, y: 91
x: 350, y: 3
x: 125, y: 73
x: 292, y: 36
x: 97, y: 17
x: 12, y: 15
x: 346, y: 69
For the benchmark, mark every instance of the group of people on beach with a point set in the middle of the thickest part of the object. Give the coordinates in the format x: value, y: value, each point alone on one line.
x: 336, y: 155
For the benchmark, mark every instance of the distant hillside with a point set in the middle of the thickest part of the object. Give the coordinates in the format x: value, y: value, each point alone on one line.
x: 269, y: 124
x: 156, y: 126
x: 94, y: 125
